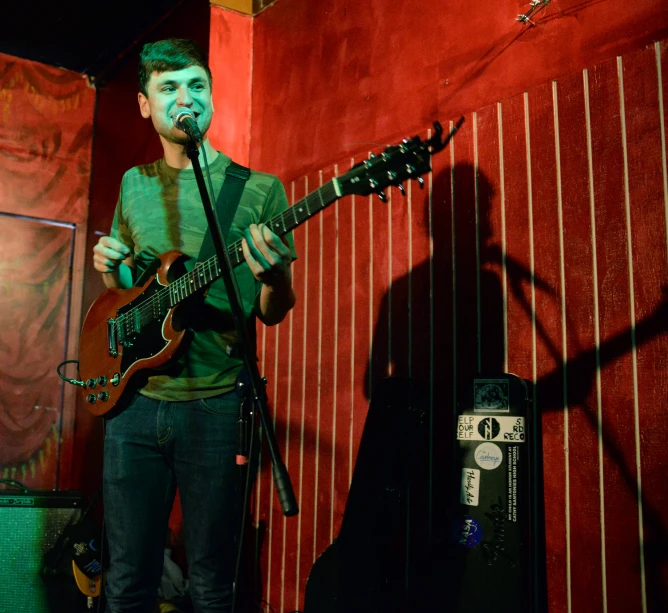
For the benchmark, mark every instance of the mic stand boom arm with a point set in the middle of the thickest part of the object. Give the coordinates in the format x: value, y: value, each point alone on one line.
x: 280, y: 473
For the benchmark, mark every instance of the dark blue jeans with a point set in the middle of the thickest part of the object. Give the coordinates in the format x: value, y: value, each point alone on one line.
x: 150, y: 448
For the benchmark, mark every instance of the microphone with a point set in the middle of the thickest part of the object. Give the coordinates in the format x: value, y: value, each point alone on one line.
x: 184, y: 119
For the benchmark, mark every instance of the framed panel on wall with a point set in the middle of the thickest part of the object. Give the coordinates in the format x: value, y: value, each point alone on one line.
x: 35, y: 302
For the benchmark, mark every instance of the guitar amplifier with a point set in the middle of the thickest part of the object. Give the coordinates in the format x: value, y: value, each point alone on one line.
x: 35, y: 562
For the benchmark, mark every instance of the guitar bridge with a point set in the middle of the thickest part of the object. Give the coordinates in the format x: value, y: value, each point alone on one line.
x: 112, y: 337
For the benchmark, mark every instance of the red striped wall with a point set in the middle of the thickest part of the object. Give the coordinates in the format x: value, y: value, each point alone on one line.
x: 544, y: 223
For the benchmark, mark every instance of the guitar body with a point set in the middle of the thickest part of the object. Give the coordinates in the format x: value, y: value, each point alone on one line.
x: 107, y: 365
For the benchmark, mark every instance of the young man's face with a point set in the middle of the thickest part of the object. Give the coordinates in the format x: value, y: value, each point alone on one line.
x: 168, y: 91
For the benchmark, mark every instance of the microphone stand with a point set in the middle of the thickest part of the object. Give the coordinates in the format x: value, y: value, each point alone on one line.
x: 280, y: 473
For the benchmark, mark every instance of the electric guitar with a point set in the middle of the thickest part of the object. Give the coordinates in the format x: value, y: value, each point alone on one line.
x: 131, y: 331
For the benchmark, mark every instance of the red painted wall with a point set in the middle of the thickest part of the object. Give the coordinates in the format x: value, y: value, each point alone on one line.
x: 329, y: 77
x: 231, y: 53
x: 539, y: 248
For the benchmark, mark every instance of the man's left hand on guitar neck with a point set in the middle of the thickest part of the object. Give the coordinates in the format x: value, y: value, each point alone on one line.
x: 269, y: 258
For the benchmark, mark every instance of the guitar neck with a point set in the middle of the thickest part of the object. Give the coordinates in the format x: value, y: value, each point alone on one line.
x: 208, y: 271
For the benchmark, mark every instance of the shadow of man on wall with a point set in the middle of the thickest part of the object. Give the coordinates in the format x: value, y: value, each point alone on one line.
x: 447, y: 325
x: 438, y: 340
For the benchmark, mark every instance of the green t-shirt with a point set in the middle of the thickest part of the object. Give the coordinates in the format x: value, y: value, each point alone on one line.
x: 159, y: 209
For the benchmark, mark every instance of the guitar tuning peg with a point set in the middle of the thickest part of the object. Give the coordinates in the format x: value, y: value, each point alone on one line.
x: 382, y: 196
x: 401, y: 189
x: 420, y: 181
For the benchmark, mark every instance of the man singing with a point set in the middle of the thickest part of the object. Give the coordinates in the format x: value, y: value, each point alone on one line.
x: 180, y: 428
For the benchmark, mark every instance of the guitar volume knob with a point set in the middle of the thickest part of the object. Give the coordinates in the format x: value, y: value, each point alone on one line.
x: 102, y: 381
x: 91, y: 383
x: 91, y: 398
x: 103, y: 396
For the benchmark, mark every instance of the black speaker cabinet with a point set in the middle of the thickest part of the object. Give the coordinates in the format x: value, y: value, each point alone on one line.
x: 34, y: 577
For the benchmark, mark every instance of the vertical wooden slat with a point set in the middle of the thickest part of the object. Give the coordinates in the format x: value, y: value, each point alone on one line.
x: 633, y: 319
x: 258, y: 502
x: 490, y: 237
x: 648, y: 271
x: 351, y: 255
x: 421, y: 308
x: 441, y: 348
x: 532, y: 253
x: 549, y: 349
x: 535, y: 448
x: 341, y: 469
x: 271, y: 506
x: 597, y: 340
x: 295, y: 358
x: 278, y: 393
x: 583, y: 438
x: 335, y: 374
x: 564, y: 343
x: 517, y: 268
x: 655, y: 510
x: 661, y: 52
x: 503, y: 246
x: 302, y: 239
x: 362, y: 253
x: 453, y: 278
x: 319, y: 391
x: 327, y: 357
x: 400, y: 279
x: 616, y: 380
x: 286, y: 453
x: 465, y: 254
x: 478, y: 223
x: 381, y: 299
x: 308, y: 513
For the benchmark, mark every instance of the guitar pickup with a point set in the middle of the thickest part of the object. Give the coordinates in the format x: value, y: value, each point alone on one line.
x: 112, y: 337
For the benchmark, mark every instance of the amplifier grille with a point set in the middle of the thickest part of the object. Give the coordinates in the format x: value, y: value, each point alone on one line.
x: 27, y: 533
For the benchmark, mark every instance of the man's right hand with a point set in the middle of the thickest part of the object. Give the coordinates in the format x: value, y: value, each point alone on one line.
x: 109, y: 253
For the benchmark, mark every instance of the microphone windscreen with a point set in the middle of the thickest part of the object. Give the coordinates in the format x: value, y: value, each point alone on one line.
x: 180, y: 115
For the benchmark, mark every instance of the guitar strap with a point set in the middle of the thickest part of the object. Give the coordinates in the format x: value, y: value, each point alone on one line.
x: 226, y: 205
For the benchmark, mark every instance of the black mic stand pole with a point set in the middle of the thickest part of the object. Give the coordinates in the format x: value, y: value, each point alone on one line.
x: 280, y: 473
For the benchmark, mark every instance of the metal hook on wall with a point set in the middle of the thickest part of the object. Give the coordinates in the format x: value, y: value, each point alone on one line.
x: 535, y: 6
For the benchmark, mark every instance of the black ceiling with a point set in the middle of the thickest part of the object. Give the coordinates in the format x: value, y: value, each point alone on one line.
x: 87, y: 36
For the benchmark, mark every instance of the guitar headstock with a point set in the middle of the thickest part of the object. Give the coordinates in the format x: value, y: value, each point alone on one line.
x: 396, y: 164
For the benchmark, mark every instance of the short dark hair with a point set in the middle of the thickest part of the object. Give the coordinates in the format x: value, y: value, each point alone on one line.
x: 170, y: 54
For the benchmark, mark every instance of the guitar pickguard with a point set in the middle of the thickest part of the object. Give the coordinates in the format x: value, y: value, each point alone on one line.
x: 150, y: 340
